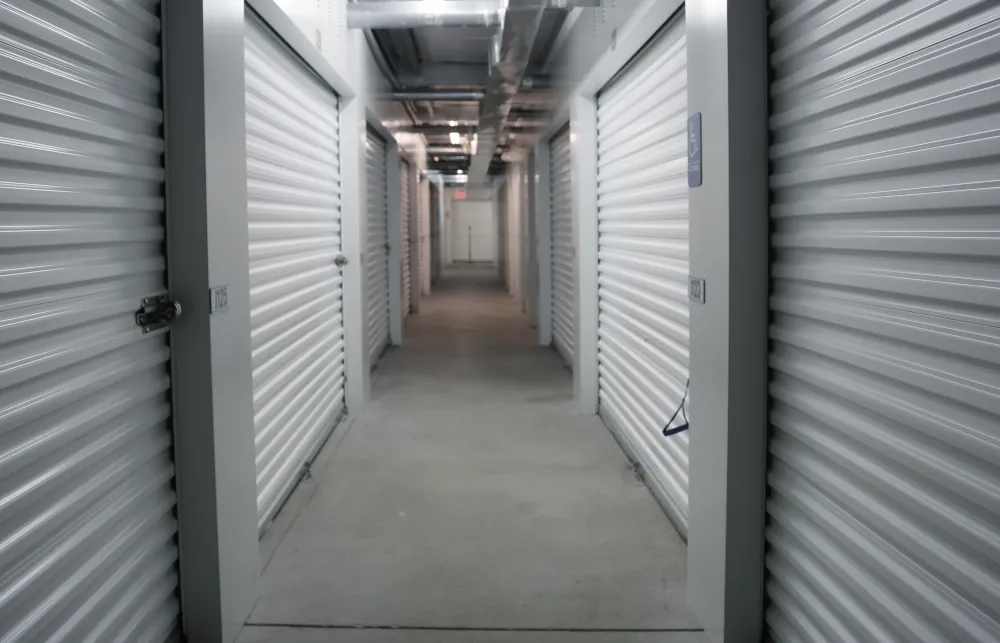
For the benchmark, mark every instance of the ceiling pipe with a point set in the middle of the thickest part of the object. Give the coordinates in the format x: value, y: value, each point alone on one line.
x: 437, y: 129
x: 439, y: 96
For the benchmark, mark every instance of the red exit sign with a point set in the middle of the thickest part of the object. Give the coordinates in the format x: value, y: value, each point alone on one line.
x: 460, y: 194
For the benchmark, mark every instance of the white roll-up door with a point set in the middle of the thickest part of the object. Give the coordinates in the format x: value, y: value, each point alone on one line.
x: 87, y: 509
x: 378, y: 246
x: 424, y: 214
x: 296, y: 310
x: 563, y: 254
x: 642, y: 202
x: 884, y: 480
x: 404, y: 174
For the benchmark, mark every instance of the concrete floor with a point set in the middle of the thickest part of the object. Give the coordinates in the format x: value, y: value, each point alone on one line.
x: 472, y: 505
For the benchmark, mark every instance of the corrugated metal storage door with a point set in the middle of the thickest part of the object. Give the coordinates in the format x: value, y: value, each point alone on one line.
x: 424, y: 213
x: 563, y: 255
x: 87, y: 526
x: 884, y: 478
x: 642, y: 201
x: 296, y: 309
x: 378, y: 246
x: 404, y: 174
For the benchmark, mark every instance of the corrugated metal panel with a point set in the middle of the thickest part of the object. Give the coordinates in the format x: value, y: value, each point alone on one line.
x: 563, y: 248
x: 404, y: 173
x: 642, y: 201
x: 296, y: 310
x: 884, y: 502
x: 424, y: 214
x: 378, y: 246
x: 87, y: 526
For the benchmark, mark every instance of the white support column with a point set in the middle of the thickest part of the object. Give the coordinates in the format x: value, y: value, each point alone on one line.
x: 543, y: 233
x: 583, y: 143
x: 354, y: 227
x: 206, y: 190
x: 727, y: 84
x: 395, y: 200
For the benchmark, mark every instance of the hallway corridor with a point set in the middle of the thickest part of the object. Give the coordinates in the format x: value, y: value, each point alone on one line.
x: 471, y: 504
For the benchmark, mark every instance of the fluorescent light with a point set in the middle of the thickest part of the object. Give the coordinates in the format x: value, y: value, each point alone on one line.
x: 461, y: 172
x: 452, y: 123
x: 455, y: 138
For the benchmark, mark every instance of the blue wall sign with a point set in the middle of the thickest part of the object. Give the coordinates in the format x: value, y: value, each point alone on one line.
x: 694, y: 150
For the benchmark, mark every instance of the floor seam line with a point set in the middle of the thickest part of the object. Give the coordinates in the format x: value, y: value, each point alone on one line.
x: 445, y: 628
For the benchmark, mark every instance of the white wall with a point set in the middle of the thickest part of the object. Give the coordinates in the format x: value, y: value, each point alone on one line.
x: 471, y: 230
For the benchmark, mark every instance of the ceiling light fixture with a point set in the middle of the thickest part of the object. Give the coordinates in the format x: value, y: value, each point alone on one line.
x: 455, y: 138
x: 461, y: 172
x: 452, y: 123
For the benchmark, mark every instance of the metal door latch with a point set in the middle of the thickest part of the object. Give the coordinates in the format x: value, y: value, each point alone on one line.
x: 340, y: 261
x: 156, y: 312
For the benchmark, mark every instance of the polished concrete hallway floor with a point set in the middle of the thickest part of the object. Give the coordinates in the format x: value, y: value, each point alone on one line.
x: 472, y: 505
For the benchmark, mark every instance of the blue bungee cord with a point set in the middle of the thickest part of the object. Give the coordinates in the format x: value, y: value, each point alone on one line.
x: 667, y: 431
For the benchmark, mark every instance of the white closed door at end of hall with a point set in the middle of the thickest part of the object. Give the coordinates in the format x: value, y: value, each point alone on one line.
x: 883, y: 510
x: 404, y: 173
x: 642, y: 204
x: 296, y: 309
x: 377, y: 265
x: 563, y: 254
x: 88, y: 548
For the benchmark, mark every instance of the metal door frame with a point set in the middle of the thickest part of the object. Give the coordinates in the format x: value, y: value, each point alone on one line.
x: 727, y: 83
x: 206, y: 246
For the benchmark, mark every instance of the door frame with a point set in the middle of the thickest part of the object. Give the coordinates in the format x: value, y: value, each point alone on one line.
x: 207, y: 247
x: 727, y: 82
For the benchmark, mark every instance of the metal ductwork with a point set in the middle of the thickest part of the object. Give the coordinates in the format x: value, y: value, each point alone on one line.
x: 409, y: 14
x: 441, y: 96
x: 509, y: 57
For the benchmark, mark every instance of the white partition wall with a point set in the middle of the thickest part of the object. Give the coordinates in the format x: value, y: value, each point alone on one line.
x: 562, y: 246
x: 884, y: 471
x: 377, y: 259
x: 643, y: 262
x: 296, y: 308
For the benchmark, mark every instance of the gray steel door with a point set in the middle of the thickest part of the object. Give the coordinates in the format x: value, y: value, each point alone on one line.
x: 296, y: 303
x: 563, y: 254
x: 87, y: 509
x: 884, y: 478
x: 642, y: 204
x: 378, y: 246
x: 405, y: 178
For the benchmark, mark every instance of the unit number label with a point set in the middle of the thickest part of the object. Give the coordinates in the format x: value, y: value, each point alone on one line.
x: 218, y: 299
x: 696, y: 289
